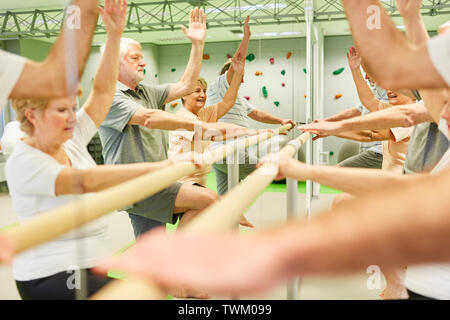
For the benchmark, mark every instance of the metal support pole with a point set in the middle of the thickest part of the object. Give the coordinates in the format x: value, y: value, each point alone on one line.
x: 309, y: 15
x: 292, y: 212
x: 233, y: 180
x: 233, y: 168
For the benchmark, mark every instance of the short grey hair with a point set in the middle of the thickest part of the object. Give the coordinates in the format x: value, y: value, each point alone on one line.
x: 125, y: 43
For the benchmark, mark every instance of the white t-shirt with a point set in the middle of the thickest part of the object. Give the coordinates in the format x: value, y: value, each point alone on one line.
x: 31, y: 175
x: 431, y: 280
x: 439, y: 50
x: 11, y: 66
x: 11, y: 135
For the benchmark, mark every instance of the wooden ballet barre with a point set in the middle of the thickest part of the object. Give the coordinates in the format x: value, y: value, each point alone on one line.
x: 222, y: 216
x: 58, y: 221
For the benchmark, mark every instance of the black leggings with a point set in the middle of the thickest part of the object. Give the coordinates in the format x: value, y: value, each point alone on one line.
x: 416, y: 296
x: 56, y: 287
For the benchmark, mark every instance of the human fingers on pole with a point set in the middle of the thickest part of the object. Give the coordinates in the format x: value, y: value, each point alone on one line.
x: 193, y: 157
x: 289, y: 121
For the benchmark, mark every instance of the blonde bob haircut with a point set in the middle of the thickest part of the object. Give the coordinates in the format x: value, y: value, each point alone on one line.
x: 202, y: 82
x: 21, y: 105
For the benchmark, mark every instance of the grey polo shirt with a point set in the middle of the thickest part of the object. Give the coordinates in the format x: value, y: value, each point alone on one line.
x: 425, y: 149
x: 124, y: 143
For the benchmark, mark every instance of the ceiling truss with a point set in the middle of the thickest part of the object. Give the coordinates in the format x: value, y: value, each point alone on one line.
x: 167, y: 15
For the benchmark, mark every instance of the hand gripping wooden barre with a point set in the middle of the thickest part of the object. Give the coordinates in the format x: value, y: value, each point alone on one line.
x: 222, y: 216
x: 58, y: 221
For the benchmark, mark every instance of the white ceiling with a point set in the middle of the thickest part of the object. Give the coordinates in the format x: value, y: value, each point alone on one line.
x: 214, y: 34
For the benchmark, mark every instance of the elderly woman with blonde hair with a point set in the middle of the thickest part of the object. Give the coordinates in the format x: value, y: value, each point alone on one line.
x: 51, y: 166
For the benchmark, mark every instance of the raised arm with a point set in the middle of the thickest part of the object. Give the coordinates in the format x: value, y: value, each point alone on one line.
x: 100, y: 99
x: 49, y: 79
x: 365, y: 95
x: 229, y: 99
x: 416, y: 32
x: 242, y: 50
x: 196, y: 34
x: 346, y: 114
x: 392, y: 62
x: 417, y: 35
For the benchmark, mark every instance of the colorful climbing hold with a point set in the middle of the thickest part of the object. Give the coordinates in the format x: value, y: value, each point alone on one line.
x: 174, y: 104
x: 156, y: 76
x: 258, y: 73
x: 304, y: 70
x: 283, y: 72
x: 264, y: 91
x: 247, y: 98
x: 206, y: 56
x: 250, y: 57
x: 277, y: 103
x: 306, y: 96
x: 338, y: 96
x: 173, y: 69
x: 289, y: 54
x: 145, y: 71
x: 338, y: 71
x: 283, y: 84
x: 272, y: 60
x: 229, y: 56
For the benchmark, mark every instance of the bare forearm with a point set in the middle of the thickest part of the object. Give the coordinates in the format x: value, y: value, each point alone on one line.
x: 243, y: 48
x: 108, y: 71
x: 105, y: 176
x: 187, y: 83
x: 364, y: 93
x: 158, y: 119
x: 265, y: 117
x: 398, y: 116
x: 380, y: 229
x: 351, y: 180
x: 416, y: 31
x: 346, y: 114
x: 99, y: 101
x: 366, y: 135
x: 230, y: 96
x: 417, y: 35
x: 389, y: 58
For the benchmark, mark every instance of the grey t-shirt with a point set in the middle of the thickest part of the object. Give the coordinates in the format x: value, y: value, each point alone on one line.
x: 369, y: 146
x: 425, y: 149
x: 124, y: 143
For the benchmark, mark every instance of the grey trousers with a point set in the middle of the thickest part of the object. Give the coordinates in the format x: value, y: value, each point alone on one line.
x: 366, y: 159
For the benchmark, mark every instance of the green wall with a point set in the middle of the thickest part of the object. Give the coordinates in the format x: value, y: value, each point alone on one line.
x: 35, y: 50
